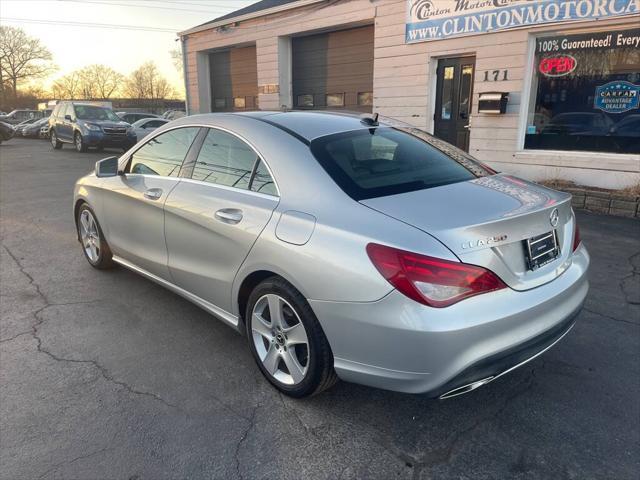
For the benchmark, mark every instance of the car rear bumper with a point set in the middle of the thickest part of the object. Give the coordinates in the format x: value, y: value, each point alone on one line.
x: 398, y: 344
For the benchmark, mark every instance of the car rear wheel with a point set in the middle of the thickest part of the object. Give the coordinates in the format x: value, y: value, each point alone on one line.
x: 55, y: 143
x: 79, y: 142
x: 287, y: 341
x: 94, y: 246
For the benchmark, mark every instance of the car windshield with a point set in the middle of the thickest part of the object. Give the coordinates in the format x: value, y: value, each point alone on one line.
x: 383, y: 161
x: 90, y: 112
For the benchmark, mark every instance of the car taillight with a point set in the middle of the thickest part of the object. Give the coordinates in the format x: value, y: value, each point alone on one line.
x: 431, y: 281
x: 576, y: 236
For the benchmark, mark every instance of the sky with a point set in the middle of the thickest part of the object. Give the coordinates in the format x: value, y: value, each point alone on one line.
x: 138, y: 31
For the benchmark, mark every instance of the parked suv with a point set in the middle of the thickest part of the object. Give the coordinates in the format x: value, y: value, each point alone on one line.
x: 86, y: 125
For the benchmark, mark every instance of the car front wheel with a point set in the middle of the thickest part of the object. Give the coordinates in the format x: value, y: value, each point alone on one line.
x: 287, y: 340
x: 79, y: 142
x: 55, y: 143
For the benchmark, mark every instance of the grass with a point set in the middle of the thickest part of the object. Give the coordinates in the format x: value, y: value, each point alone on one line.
x: 632, y: 191
x: 560, y: 184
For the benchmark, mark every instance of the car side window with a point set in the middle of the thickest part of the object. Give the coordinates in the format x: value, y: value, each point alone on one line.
x: 224, y: 159
x: 163, y: 155
x: 262, y: 181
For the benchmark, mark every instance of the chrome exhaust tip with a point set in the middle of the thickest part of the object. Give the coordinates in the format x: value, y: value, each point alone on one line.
x: 466, y: 388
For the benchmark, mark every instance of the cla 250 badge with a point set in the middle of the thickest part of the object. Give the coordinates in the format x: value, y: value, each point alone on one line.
x: 483, y: 242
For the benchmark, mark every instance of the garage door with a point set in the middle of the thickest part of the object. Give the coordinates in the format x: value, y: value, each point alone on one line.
x: 234, y: 79
x: 334, y: 70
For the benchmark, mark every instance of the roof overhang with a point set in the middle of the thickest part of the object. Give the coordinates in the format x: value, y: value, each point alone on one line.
x: 249, y: 16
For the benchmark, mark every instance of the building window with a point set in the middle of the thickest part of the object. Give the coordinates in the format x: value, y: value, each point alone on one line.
x: 220, y: 103
x: 304, y: 101
x: 365, y: 98
x: 586, y: 93
x: 335, y: 99
x: 239, y: 102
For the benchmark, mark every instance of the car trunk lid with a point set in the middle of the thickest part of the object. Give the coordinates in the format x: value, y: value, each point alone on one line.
x: 487, y: 222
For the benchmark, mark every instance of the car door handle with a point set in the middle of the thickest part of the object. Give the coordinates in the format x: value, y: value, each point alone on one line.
x: 153, y: 193
x: 229, y: 215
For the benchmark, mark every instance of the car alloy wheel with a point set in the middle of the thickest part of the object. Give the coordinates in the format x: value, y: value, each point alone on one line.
x: 89, y: 236
x: 78, y: 142
x: 280, y: 339
x: 55, y: 143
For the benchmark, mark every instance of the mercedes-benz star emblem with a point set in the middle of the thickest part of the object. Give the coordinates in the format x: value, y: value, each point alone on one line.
x: 554, y: 217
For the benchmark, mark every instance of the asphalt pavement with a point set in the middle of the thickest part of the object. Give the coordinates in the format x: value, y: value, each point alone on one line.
x: 105, y: 375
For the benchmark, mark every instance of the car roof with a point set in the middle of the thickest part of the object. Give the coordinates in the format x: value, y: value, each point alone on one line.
x: 306, y: 125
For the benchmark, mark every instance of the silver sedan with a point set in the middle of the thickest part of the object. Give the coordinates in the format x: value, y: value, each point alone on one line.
x: 343, y: 247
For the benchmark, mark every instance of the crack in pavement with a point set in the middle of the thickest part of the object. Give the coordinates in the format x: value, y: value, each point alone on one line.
x: 106, y: 448
x: 39, y: 320
x: 635, y: 271
x: 244, y: 436
x: 444, y: 455
x: 630, y: 322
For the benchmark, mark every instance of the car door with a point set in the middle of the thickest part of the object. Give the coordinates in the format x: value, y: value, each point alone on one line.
x: 133, y: 202
x: 213, y: 218
x: 64, y: 126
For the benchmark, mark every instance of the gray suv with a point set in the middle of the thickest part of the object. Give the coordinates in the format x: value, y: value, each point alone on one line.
x: 87, y: 125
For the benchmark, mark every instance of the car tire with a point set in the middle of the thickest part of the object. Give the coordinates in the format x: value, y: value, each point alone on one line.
x: 78, y: 141
x: 53, y: 138
x: 94, y: 246
x: 296, y: 368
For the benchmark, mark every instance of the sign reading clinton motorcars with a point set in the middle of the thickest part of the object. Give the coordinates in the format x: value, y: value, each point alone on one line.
x: 439, y: 19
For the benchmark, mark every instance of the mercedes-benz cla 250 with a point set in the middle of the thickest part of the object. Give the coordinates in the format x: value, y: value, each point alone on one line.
x: 343, y: 247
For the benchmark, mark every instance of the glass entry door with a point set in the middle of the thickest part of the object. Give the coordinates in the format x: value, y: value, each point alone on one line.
x: 453, y: 100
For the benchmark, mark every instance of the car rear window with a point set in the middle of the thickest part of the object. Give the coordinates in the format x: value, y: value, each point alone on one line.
x: 383, y: 161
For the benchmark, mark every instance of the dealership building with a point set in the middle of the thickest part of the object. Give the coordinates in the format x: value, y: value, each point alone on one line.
x: 545, y: 89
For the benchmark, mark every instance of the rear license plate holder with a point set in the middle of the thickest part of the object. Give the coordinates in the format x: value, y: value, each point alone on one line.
x: 541, y: 249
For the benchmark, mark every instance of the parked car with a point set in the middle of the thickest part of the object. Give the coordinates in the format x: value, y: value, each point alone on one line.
x: 6, y: 131
x: 132, y: 117
x: 173, y: 114
x: 579, y: 123
x: 145, y: 126
x: 343, y: 246
x: 33, y: 129
x: 19, y: 127
x: 19, y: 116
x: 44, y: 131
x: 85, y: 125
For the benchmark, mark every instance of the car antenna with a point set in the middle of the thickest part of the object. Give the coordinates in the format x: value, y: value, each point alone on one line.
x: 369, y: 120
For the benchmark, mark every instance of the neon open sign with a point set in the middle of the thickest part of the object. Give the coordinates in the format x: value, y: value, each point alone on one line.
x: 557, y: 66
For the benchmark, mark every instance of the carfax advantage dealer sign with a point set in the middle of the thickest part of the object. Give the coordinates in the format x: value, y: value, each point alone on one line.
x: 439, y: 19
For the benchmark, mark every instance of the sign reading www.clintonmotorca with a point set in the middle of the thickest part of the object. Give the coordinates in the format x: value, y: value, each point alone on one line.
x: 439, y: 19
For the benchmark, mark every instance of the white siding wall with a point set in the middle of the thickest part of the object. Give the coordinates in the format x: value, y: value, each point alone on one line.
x: 404, y: 81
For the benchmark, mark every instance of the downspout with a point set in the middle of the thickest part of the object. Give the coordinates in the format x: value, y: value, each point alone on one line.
x: 183, y: 45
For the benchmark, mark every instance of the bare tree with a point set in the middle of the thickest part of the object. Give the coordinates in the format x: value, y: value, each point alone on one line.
x: 91, y: 82
x: 176, y: 58
x: 67, y: 87
x: 22, y: 58
x: 99, y: 81
x: 146, y: 82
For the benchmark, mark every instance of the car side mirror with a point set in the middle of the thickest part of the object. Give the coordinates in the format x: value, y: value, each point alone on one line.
x: 107, y: 167
x: 67, y: 117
